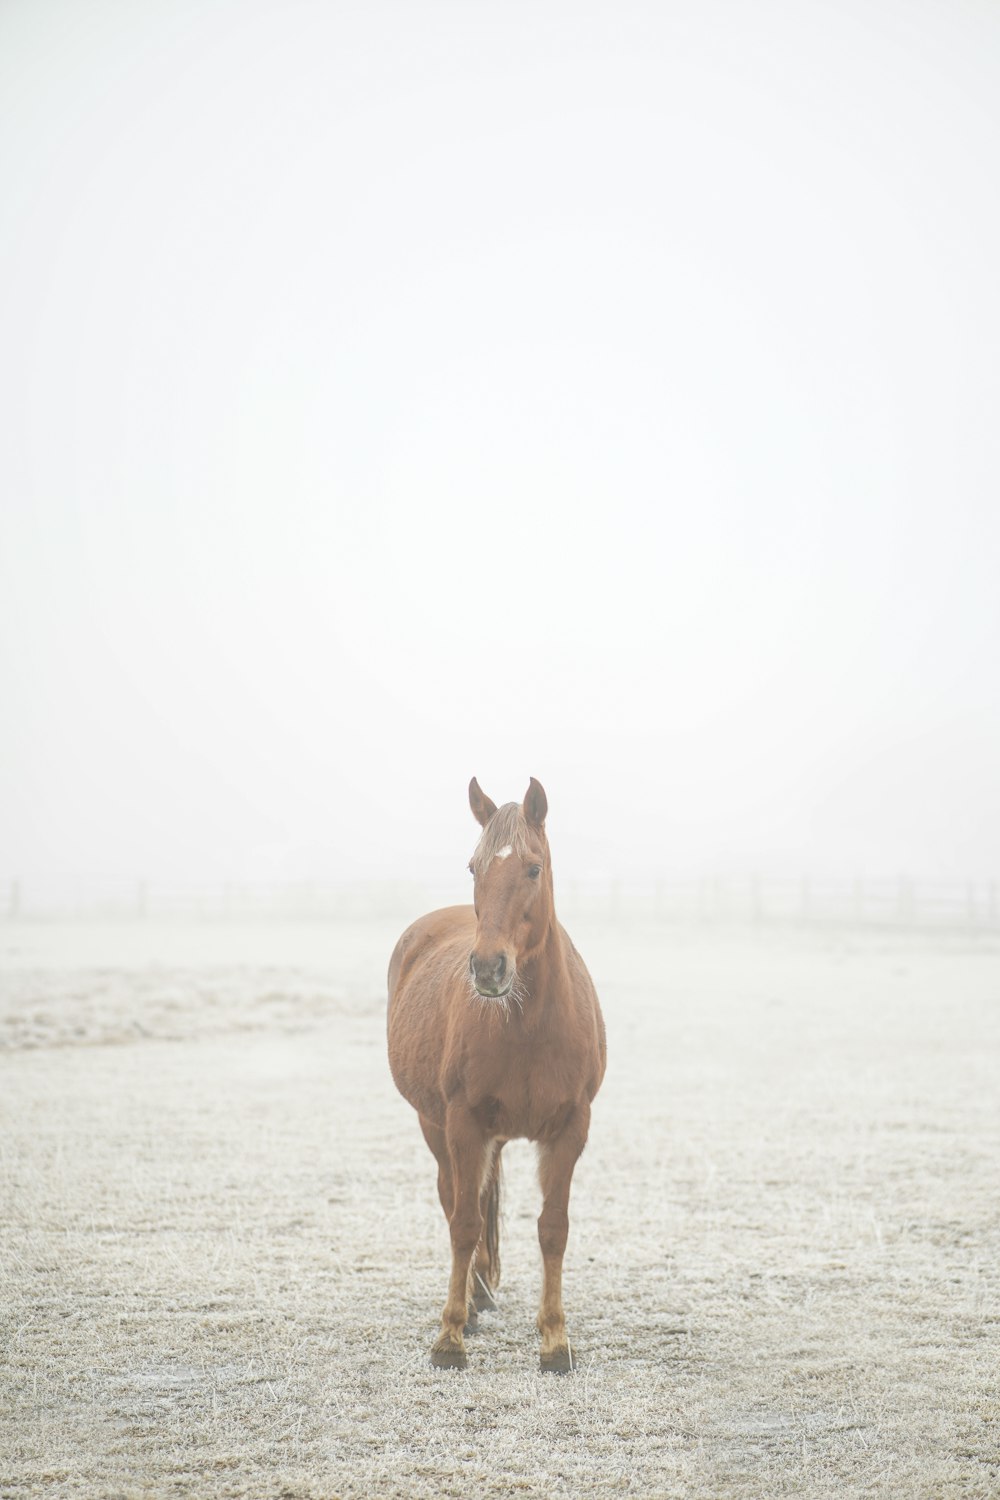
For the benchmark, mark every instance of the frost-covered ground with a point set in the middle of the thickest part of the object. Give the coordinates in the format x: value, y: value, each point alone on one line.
x: 223, y: 1258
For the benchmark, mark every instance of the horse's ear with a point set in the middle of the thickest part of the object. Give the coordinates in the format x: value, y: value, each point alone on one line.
x: 482, y: 808
x: 535, y: 804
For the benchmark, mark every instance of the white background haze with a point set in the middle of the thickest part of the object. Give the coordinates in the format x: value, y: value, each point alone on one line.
x: 393, y: 393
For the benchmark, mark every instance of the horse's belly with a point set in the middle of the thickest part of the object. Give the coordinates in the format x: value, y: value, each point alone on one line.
x: 413, y: 1051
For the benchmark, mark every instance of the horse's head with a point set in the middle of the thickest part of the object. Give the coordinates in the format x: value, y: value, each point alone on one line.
x: 513, y: 888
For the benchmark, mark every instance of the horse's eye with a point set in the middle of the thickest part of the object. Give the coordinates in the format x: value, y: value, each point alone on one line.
x: 471, y: 870
x: 534, y: 871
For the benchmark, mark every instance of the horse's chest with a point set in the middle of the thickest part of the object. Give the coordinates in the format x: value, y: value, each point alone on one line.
x: 518, y: 1098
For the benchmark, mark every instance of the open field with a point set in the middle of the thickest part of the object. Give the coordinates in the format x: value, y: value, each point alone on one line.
x: 223, y: 1259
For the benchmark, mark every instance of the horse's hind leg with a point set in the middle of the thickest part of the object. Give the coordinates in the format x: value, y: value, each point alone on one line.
x: 555, y: 1169
x: 486, y: 1266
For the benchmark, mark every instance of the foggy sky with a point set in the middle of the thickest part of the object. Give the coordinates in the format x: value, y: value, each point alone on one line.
x: 395, y: 393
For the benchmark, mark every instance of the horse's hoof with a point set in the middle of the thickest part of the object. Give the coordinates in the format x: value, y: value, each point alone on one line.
x: 557, y: 1362
x: 448, y: 1357
x: 471, y: 1320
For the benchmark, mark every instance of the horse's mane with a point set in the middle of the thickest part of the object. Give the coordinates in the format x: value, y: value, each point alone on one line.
x: 506, y: 829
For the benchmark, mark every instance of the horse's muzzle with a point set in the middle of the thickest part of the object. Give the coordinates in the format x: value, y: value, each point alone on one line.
x: 492, y: 977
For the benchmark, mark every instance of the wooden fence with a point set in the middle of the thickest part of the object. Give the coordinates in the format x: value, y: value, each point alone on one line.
x: 972, y: 905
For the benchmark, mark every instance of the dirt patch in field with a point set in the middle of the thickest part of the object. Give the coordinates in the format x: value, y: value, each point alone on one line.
x: 223, y: 1259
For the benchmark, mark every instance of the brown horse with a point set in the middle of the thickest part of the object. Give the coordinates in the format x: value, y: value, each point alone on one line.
x: 494, y: 1033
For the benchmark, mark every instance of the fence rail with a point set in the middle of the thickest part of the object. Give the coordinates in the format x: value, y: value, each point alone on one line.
x: 972, y: 905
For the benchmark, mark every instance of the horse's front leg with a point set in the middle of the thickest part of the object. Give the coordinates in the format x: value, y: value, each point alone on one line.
x: 556, y: 1161
x: 468, y: 1151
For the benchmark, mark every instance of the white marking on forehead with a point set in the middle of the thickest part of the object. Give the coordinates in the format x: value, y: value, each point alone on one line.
x: 503, y: 853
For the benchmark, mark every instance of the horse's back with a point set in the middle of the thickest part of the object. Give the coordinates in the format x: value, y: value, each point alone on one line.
x: 425, y: 939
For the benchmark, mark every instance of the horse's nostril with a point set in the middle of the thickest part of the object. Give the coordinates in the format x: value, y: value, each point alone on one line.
x: 472, y: 963
x: 501, y: 967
